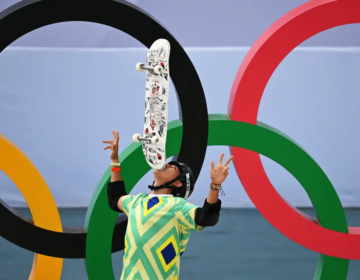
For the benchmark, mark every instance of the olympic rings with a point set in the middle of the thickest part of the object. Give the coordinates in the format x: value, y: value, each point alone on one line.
x: 334, y: 239
x: 26, y: 16
x: 39, y: 200
x: 258, y: 138
x: 258, y: 65
x: 23, y: 233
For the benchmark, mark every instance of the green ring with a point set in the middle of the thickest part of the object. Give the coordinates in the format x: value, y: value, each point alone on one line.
x: 100, y: 220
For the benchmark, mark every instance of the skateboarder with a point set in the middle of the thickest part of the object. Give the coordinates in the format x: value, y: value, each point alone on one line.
x: 160, y: 223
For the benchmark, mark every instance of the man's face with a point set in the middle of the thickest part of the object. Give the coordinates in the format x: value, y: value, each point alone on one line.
x: 169, y: 173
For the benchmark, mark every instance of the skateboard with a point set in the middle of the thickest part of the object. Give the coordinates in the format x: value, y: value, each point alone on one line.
x: 154, y: 134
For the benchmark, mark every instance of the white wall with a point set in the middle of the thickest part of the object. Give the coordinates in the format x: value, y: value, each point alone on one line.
x: 58, y: 105
x: 200, y: 23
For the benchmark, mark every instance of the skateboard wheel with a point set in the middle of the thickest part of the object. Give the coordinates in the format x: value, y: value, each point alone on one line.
x: 138, y: 66
x: 136, y: 137
x: 158, y: 69
x: 154, y: 140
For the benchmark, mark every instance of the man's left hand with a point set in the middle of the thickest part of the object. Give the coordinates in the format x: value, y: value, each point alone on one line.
x: 219, y: 173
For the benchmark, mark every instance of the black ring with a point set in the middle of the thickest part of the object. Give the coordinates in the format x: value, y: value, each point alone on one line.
x: 28, y: 15
x: 70, y: 243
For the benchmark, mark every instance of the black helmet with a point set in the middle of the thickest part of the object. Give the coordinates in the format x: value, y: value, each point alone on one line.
x: 186, y: 177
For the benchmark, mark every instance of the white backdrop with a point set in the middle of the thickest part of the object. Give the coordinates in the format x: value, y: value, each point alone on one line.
x: 58, y: 105
x: 212, y: 23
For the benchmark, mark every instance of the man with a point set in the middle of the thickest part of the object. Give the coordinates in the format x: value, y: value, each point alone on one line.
x: 160, y: 223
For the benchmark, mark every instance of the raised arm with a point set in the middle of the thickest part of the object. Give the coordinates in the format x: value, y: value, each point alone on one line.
x: 116, y: 187
x: 209, y: 214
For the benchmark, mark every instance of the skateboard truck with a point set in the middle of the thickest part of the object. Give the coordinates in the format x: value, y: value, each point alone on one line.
x: 137, y: 138
x: 158, y: 69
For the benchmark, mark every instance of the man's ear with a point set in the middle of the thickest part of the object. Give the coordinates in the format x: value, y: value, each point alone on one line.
x: 177, y: 184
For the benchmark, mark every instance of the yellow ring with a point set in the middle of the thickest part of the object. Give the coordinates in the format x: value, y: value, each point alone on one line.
x: 29, y: 181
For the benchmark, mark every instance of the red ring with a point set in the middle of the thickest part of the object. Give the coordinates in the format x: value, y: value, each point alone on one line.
x: 251, y: 79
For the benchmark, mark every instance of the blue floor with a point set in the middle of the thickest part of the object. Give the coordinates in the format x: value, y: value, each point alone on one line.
x: 243, y: 246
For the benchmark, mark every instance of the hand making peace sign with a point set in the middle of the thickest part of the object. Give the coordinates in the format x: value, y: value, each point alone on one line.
x: 114, y: 146
x: 219, y: 173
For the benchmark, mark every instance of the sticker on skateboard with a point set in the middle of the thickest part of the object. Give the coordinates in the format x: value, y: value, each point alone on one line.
x: 154, y: 134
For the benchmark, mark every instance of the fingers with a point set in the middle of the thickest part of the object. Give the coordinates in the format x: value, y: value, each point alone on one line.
x: 221, y: 158
x: 228, y: 161
x: 108, y: 147
x: 225, y: 171
x: 116, y: 138
x: 212, y: 165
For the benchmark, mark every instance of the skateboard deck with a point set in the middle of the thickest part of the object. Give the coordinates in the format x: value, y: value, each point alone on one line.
x: 156, y: 104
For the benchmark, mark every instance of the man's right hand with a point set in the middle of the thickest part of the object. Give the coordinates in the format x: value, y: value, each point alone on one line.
x: 114, y: 146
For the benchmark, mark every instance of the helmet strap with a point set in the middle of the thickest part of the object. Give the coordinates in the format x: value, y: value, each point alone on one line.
x: 164, y: 186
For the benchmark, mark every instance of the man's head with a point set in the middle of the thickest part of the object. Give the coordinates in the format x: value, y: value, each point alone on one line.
x: 170, y: 173
x: 176, y: 178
